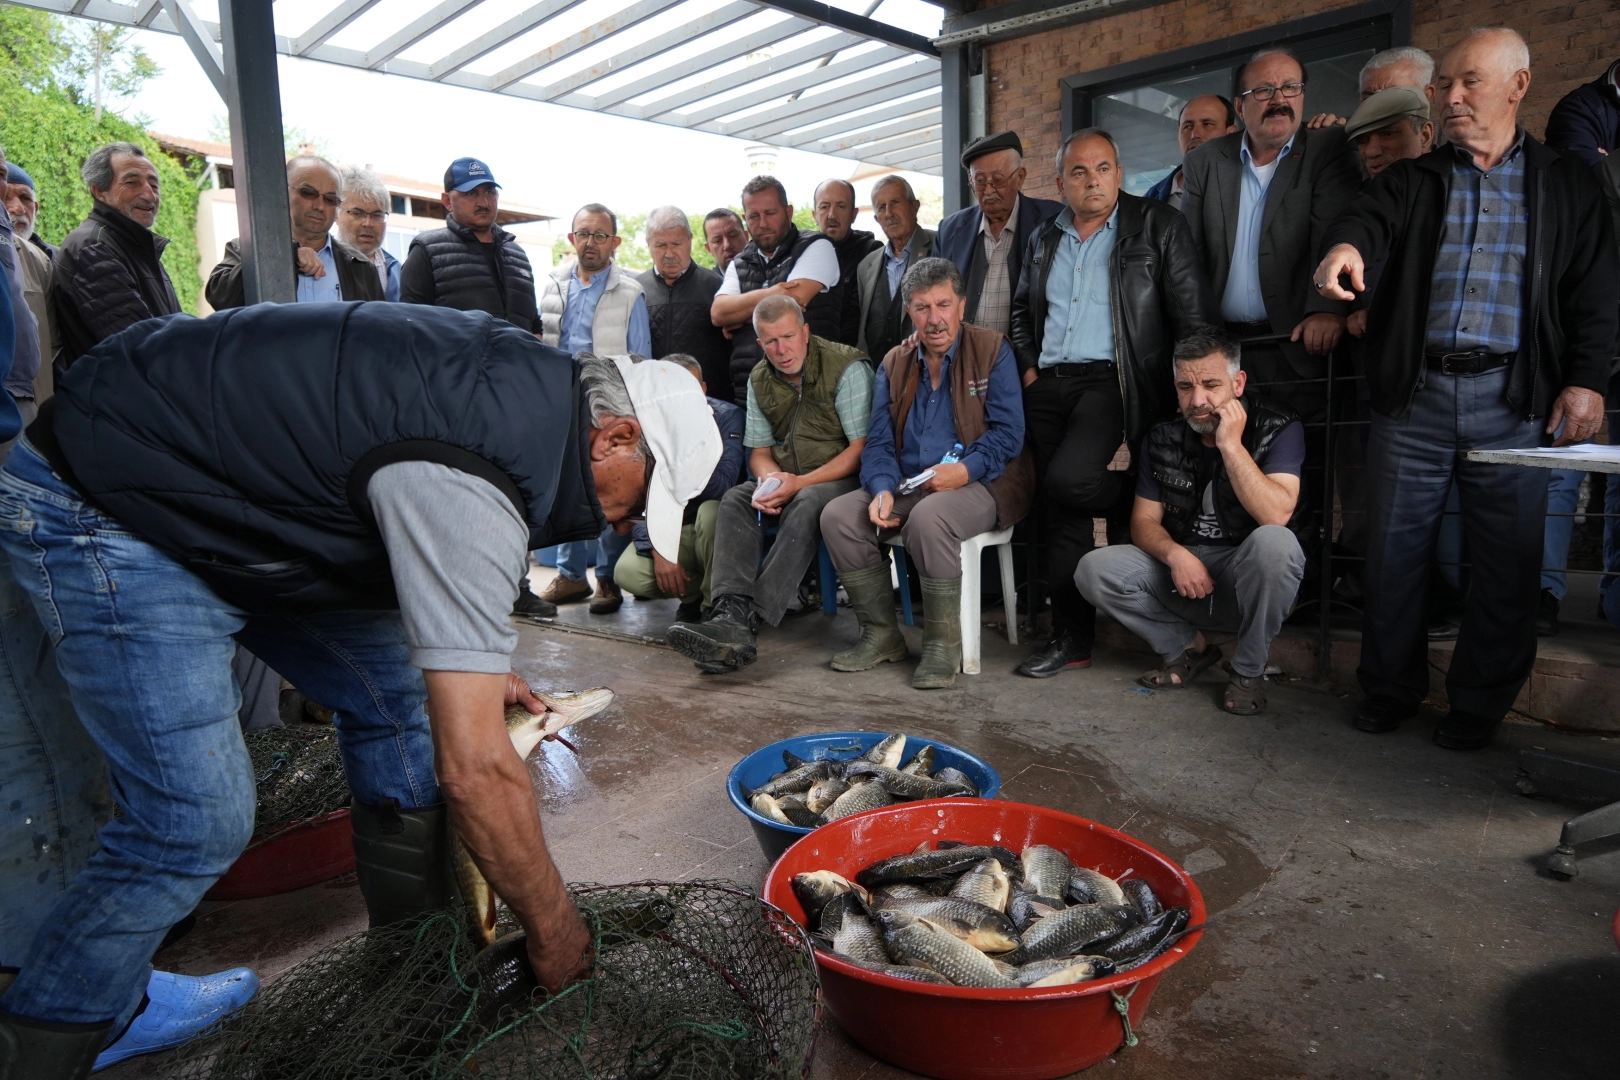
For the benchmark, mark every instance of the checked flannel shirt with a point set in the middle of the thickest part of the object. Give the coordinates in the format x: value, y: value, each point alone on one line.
x: 1476, y: 300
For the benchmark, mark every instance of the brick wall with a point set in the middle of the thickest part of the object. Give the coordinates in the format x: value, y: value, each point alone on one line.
x: 1570, y: 43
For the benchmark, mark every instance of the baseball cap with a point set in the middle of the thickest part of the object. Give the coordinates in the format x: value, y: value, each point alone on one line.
x: 680, y: 430
x: 1390, y: 103
x: 466, y: 173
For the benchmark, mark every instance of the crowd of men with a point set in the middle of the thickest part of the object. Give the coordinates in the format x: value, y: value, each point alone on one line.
x: 1158, y: 364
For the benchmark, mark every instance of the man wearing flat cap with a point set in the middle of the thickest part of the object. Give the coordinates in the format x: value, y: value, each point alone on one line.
x: 1389, y: 126
x: 986, y: 241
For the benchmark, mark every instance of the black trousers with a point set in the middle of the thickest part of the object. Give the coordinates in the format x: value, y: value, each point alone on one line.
x: 1073, y: 426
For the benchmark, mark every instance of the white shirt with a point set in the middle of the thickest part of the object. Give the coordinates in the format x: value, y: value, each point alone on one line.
x: 818, y: 262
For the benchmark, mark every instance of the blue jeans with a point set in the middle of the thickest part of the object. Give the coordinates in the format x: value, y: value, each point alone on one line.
x: 145, y: 649
x: 573, y: 558
x: 1563, y: 488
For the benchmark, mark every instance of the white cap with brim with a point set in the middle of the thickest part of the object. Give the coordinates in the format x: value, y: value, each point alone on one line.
x: 685, y: 442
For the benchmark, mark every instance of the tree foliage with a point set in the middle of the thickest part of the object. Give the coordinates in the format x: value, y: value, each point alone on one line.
x: 49, y: 129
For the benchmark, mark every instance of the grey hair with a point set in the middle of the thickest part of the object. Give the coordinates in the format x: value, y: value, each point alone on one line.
x: 891, y: 180
x: 98, y: 168
x: 1521, y: 51
x: 1206, y: 341
x: 1085, y: 133
x: 1402, y: 54
x: 606, y: 396
x: 777, y: 307
x: 667, y: 217
x: 365, y: 184
x: 314, y: 159
x: 687, y: 361
x: 928, y: 273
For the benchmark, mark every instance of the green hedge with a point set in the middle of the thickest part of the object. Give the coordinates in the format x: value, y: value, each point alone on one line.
x: 47, y: 131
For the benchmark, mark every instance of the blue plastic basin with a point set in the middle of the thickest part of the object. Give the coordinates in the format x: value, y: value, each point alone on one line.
x: 764, y: 763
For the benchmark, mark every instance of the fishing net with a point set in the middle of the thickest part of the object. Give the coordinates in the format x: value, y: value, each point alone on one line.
x: 299, y: 776
x: 692, y: 981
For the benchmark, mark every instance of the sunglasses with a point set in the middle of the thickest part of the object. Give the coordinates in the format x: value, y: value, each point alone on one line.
x: 309, y: 194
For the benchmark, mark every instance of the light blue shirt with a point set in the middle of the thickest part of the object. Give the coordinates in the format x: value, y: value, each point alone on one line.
x: 579, y: 315
x: 895, y: 264
x: 1079, y: 311
x: 1243, y: 301
x: 321, y: 290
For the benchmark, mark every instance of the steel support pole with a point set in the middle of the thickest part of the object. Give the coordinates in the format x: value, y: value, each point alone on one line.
x: 953, y: 92
x: 253, y: 96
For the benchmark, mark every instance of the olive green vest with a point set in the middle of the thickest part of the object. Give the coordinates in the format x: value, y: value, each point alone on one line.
x: 803, y: 418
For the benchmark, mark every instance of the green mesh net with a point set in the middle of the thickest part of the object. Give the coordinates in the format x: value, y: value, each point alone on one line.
x: 692, y: 981
x: 299, y: 775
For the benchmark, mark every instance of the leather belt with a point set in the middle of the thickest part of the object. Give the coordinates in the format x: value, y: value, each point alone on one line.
x: 1249, y: 329
x: 1072, y: 371
x: 1468, y: 362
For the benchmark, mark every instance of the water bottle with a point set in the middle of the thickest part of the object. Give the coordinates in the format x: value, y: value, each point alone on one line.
x: 952, y: 456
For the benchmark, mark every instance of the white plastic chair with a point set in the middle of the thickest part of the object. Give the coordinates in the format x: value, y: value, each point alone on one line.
x: 971, y: 548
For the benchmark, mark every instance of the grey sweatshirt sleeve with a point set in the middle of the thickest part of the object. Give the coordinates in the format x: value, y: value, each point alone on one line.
x: 457, y: 548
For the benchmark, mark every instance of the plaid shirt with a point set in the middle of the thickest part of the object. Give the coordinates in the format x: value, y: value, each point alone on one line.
x: 995, y: 298
x: 1476, y: 300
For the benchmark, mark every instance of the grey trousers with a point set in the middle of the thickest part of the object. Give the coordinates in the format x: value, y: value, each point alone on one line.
x: 739, y: 541
x: 1411, y: 465
x: 1256, y: 583
x: 933, y: 525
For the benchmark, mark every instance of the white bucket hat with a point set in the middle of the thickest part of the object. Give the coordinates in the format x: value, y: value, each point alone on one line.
x: 680, y: 430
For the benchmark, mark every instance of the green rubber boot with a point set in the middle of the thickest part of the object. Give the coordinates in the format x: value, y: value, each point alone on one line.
x: 873, y: 600
x: 37, y: 1050
x: 942, y: 634
x: 402, y: 858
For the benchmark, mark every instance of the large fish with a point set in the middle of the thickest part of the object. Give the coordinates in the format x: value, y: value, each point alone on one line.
x: 985, y: 928
x: 1046, y: 871
x: 887, y: 752
x: 1067, y: 932
x: 526, y: 730
x: 987, y: 883
x: 867, y: 796
x: 906, y: 785
x: 920, y: 943
x: 925, y: 865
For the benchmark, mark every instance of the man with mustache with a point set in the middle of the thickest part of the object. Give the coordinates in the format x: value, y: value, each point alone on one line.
x: 1493, y: 325
x: 1106, y: 287
x: 325, y: 268
x: 957, y: 387
x: 109, y: 273
x: 1258, y: 202
x: 1210, y: 544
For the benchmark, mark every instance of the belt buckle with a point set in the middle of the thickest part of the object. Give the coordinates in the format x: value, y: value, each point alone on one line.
x: 1469, y: 363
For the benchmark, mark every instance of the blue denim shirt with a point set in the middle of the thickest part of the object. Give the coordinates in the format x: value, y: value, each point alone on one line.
x: 1243, y: 301
x: 931, y: 425
x: 322, y: 290
x: 579, y: 315
x: 1079, y: 314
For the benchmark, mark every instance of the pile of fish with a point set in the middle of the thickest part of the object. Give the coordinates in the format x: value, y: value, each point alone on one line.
x: 979, y: 915
x: 812, y: 793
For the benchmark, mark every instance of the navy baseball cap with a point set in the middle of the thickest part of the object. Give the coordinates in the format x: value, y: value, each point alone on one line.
x: 15, y: 175
x: 466, y: 173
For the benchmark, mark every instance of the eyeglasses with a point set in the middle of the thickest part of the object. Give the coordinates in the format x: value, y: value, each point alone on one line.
x: 980, y: 181
x: 376, y: 217
x: 588, y: 237
x: 309, y: 194
x: 1266, y: 93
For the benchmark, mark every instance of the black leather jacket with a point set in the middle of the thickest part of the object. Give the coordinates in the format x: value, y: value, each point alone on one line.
x: 1159, y: 294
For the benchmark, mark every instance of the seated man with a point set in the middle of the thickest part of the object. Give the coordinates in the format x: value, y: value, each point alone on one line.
x: 1211, y: 546
x: 809, y: 403
x: 647, y: 575
x: 957, y: 388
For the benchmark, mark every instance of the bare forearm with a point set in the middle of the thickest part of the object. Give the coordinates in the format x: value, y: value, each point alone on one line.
x: 1267, y: 501
x: 762, y: 460
x: 734, y: 309
x: 1152, y: 538
x: 491, y: 801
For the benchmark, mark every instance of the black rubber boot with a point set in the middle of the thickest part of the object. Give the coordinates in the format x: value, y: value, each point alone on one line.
x: 725, y: 641
x: 402, y: 858
x: 41, y: 1050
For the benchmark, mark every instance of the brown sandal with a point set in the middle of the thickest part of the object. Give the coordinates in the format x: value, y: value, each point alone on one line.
x: 1245, y: 696
x: 1185, y: 668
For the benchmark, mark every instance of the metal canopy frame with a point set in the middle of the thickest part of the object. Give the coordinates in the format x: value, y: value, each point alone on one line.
x: 790, y: 73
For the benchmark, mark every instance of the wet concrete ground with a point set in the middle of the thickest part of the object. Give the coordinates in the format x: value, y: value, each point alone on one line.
x: 1379, y: 906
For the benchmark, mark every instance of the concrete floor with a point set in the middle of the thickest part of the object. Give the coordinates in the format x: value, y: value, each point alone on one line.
x: 1378, y: 904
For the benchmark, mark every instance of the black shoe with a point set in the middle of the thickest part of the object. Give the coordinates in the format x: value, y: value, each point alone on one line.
x: 1064, y: 651
x: 529, y: 604
x: 1465, y: 731
x: 689, y: 611
x: 1445, y: 628
x: 725, y: 641
x: 1547, y: 614
x: 1380, y: 714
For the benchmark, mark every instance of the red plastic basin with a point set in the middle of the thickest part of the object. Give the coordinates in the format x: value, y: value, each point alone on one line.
x: 957, y: 1033
x: 318, y: 850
